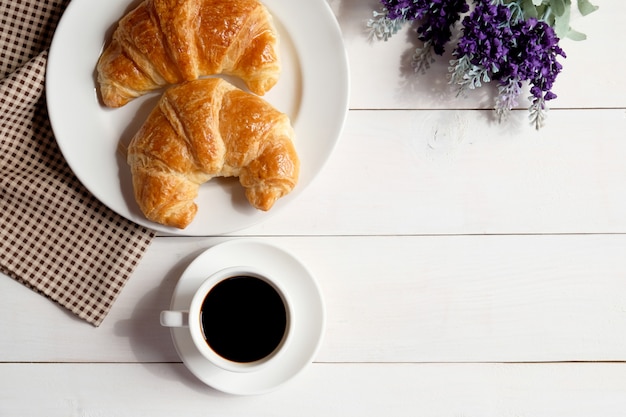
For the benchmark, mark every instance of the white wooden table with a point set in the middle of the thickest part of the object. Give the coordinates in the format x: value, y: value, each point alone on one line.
x: 468, y: 268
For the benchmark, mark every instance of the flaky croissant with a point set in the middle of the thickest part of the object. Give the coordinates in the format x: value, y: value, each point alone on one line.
x: 204, y: 129
x: 165, y: 42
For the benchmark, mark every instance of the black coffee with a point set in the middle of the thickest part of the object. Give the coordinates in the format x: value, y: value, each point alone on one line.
x: 243, y: 319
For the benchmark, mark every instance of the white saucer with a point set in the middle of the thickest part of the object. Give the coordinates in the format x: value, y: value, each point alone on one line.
x: 309, y: 315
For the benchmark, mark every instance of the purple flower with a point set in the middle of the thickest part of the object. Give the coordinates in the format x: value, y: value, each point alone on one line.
x: 437, y: 23
x: 498, y: 42
x: 512, y: 51
x: 535, y: 52
x: 404, y: 9
x: 436, y: 18
x: 486, y: 36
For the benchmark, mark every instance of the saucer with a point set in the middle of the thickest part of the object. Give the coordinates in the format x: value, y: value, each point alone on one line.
x: 308, y: 313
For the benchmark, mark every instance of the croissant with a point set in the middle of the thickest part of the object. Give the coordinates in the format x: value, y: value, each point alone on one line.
x: 204, y: 129
x: 165, y: 42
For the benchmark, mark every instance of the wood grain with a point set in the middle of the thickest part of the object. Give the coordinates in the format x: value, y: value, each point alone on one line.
x: 367, y: 390
x: 457, y: 172
x: 389, y: 299
x: 469, y: 268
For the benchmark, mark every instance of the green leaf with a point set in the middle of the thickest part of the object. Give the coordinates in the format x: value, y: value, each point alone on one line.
x: 545, y: 13
x: 561, y: 24
x: 575, y: 35
x: 558, y: 7
x: 529, y: 9
x: 585, y: 7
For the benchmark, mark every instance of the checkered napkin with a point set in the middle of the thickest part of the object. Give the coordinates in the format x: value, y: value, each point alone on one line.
x: 55, y: 237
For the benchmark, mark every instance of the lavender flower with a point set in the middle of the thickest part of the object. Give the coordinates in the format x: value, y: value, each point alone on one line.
x: 484, y: 47
x: 405, y: 9
x: 502, y: 40
x: 394, y: 14
x: 437, y: 21
x: 536, y: 50
x: 496, y: 46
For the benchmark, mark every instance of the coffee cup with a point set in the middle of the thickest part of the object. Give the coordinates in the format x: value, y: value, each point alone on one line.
x: 239, y: 319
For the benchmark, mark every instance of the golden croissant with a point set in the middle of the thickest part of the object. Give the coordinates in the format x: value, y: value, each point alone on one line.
x: 165, y: 42
x: 204, y: 129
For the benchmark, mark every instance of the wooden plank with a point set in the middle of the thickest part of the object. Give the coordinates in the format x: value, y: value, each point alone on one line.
x: 382, y: 78
x: 388, y: 299
x: 521, y: 390
x: 456, y: 172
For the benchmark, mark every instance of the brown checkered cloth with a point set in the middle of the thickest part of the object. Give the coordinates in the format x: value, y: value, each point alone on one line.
x: 55, y: 237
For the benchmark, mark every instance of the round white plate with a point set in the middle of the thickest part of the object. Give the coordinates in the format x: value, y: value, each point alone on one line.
x: 313, y: 90
x: 308, y: 315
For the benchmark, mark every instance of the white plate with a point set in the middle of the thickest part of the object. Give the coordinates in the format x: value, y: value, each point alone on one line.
x: 313, y: 91
x: 308, y: 315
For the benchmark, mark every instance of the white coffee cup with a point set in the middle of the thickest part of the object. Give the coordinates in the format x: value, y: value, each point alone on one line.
x: 239, y: 318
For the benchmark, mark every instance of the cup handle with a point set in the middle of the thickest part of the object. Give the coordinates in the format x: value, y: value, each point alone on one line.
x: 171, y: 318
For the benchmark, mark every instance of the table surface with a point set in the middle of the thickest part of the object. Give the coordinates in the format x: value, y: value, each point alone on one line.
x: 469, y: 268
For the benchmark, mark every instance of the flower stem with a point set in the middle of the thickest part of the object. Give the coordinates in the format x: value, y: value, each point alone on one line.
x: 547, y: 14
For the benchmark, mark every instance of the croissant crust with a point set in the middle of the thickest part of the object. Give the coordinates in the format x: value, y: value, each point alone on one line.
x: 166, y: 42
x: 204, y: 129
